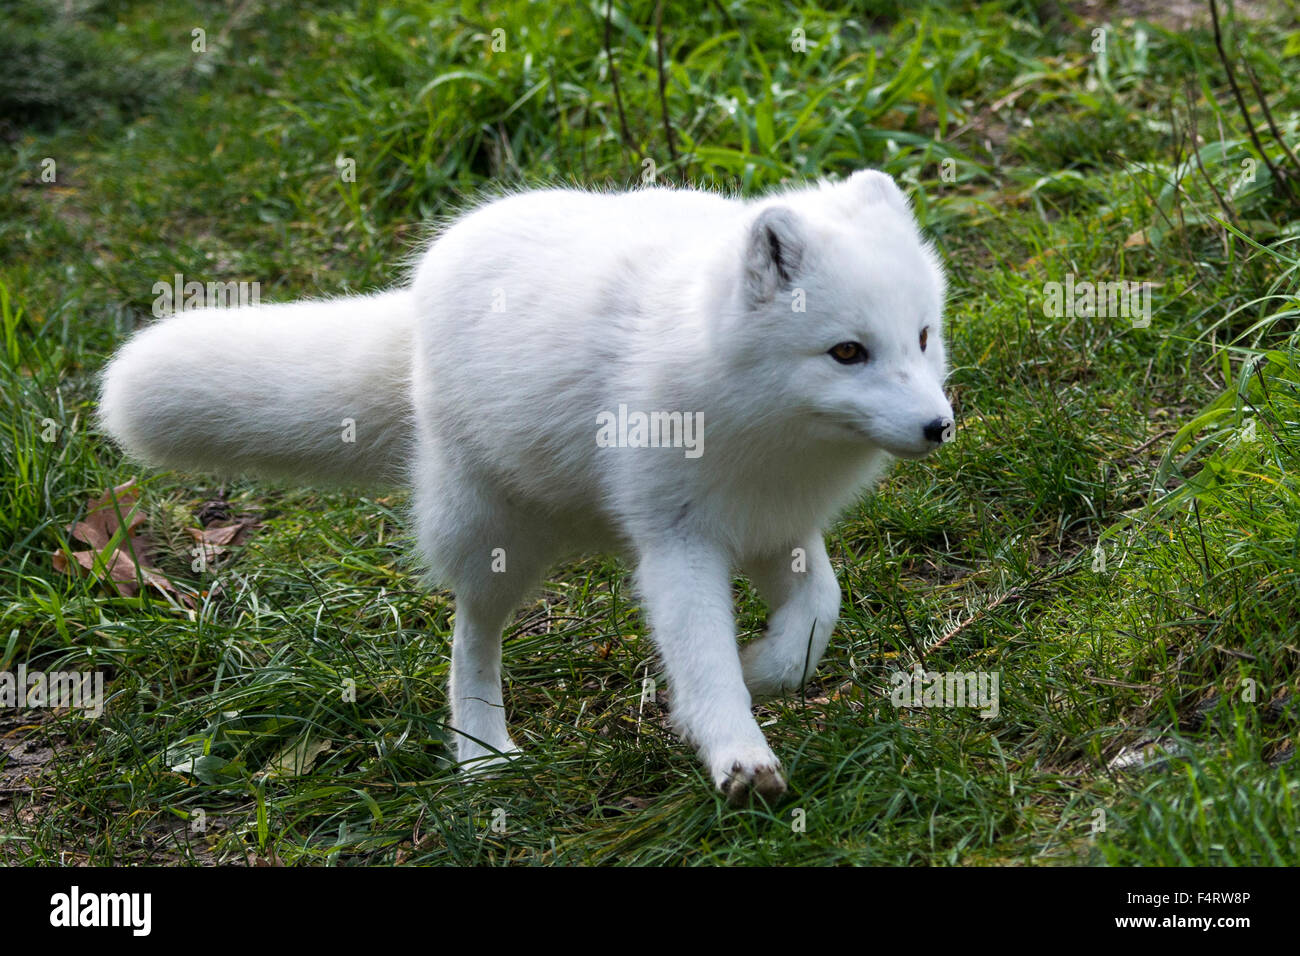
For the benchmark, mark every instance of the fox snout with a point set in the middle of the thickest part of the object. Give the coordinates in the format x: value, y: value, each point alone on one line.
x: 940, y: 430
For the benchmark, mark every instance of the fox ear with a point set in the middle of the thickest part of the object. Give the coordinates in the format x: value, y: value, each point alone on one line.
x: 775, y: 251
x: 868, y: 186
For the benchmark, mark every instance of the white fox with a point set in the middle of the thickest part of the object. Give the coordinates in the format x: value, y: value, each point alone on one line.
x: 799, y: 336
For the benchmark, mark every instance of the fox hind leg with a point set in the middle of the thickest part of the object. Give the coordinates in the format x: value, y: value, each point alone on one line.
x: 492, y: 555
x: 478, y: 717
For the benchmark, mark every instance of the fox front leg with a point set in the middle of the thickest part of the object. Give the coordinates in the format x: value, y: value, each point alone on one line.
x: 803, y: 598
x: 687, y: 590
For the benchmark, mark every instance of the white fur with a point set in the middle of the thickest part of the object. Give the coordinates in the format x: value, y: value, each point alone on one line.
x: 526, y: 319
x: 267, y: 390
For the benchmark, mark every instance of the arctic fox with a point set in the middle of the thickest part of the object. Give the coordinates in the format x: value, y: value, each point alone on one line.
x: 535, y: 383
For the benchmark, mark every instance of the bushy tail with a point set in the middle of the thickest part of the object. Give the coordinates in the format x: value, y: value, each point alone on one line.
x: 316, y: 391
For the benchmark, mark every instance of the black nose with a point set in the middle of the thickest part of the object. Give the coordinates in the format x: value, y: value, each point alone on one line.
x: 940, y: 430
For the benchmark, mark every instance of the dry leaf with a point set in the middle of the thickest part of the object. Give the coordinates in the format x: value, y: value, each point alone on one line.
x: 298, y: 758
x: 215, y: 540
x: 101, y: 521
x: 127, y: 563
x: 1035, y: 262
x: 214, y: 510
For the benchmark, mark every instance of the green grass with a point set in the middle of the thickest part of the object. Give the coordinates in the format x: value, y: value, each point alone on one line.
x: 1029, y: 156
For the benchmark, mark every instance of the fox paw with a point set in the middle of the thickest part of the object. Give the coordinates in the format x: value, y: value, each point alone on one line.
x: 478, y: 761
x: 769, y: 671
x: 745, y: 777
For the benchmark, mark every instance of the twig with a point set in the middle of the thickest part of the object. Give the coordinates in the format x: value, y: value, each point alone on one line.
x: 1268, y: 113
x: 663, y: 80
x: 1277, y: 174
x: 613, y: 76
x: 1153, y: 439
x: 1015, y: 592
x: 1196, y: 154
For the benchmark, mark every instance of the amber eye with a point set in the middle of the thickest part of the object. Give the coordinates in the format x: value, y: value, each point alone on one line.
x: 925, y: 334
x: 848, y: 353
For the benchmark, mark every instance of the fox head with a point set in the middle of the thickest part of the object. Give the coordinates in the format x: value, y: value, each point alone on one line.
x: 849, y: 301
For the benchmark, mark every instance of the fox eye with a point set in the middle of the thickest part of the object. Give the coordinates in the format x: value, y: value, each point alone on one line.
x: 925, y: 334
x: 848, y: 353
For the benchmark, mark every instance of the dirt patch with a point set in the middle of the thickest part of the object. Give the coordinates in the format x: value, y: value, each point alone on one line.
x: 1172, y: 14
x: 30, y: 743
x: 27, y: 744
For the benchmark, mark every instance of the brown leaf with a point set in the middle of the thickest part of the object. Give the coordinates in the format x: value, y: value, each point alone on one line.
x: 1035, y: 262
x: 101, y: 521
x: 224, y: 536
x: 127, y: 564
x: 214, y: 510
x: 215, y: 540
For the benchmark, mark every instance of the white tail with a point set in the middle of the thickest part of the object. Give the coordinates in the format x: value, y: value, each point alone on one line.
x: 315, y: 390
